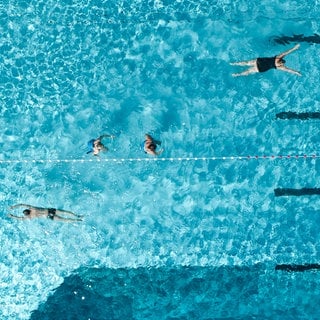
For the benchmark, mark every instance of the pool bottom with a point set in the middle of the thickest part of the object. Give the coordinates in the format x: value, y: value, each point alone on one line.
x: 256, y: 292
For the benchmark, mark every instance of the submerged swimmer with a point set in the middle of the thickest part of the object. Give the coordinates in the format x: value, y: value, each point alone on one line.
x: 150, y: 146
x: 50, y: 213
x: 265, y: 64
x: 95, y: 145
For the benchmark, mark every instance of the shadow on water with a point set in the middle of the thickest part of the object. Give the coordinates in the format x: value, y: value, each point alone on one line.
x: 226, y: 292
x: 150, y: 293
x: 297, y: 38
x: 300, y: 116
x: 279, y: 192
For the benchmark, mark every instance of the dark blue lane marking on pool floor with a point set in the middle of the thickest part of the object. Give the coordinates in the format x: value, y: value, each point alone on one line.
x: 297, y: 267
x: 300, y: 116
x: 279, y: 192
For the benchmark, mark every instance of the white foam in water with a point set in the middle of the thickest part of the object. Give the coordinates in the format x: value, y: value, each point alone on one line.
x: 68, y: 76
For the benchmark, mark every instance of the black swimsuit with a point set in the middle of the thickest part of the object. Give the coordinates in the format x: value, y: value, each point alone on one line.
x: 265, y: 64
x: 51, y: 213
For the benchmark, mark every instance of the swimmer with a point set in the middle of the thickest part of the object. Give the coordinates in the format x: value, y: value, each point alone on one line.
x: 150, y: 146
x: 95, y: 145
x: 50, y: 213
x: 265, y: 64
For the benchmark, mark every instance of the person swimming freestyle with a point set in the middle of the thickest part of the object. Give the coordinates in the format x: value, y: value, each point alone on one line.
x: 150, y: 146
x: 51, y: 213
x: 95, y: 145
x: 267, y: 63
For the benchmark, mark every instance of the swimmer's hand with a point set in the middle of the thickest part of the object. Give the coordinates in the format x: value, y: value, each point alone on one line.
x: 16, y: 217
x: 19, y: 205
x: 107, y: 136
x: 159, y: 152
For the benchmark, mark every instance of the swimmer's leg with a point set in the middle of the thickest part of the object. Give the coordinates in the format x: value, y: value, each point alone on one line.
x: 68, y: 213
x: 62, y: 219
x: 244, y: 63
x: 245, y: 73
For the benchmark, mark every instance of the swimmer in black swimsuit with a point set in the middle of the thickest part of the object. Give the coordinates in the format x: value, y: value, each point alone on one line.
x: 51, y: 213
x: 265, y: 64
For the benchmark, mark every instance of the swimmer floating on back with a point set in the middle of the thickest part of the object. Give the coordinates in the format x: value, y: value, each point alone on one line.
x: 95, y: 145
x: 150, y: 146
x: 265, y: 64
x: 50, y: 213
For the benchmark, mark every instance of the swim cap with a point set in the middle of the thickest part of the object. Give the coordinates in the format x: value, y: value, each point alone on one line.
x: 143, y: 146
x: 90, y: 145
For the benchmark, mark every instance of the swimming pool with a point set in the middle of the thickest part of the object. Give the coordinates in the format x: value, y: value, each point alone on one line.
x: 73, y: 70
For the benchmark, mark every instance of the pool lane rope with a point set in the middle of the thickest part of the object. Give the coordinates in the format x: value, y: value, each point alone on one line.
x: 159, y: 159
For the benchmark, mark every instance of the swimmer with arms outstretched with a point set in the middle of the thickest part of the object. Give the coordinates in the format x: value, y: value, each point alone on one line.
x: 50, y: 213
x: 150, y: 146
x: 95, y: 145
x: 265, y: 64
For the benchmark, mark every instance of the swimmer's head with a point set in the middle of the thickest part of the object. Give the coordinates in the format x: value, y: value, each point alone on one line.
x: 282, y: 61
x: 26, y: 212
x: 98, y: 144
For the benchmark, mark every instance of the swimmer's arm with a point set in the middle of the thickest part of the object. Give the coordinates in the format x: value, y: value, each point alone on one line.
x: 22, y: 205
x: 106, y: 136
x: 159, y: 152
x: 16, y: 217
x: 281, y: 55
x: 284, y: 68
x: 152, y: 152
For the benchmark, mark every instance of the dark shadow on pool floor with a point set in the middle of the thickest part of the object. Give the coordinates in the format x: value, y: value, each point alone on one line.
x: 280, y: 192
x: 226, y: 292
x: 149, y: 293
x: 297, y: 38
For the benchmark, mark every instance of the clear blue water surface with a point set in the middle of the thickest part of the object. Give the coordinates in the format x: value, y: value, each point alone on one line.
x: 72, y: 70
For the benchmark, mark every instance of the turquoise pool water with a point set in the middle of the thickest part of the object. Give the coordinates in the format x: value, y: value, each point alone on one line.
x: 205, y: 234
